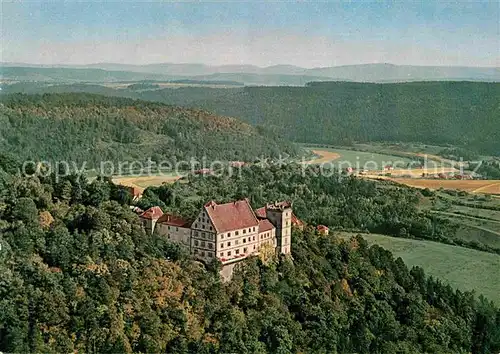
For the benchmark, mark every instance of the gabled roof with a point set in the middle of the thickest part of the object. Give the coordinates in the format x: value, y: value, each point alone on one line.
x: 152, y: 213
x: 231, y: 216
x: 265, y: 225
x: 173, y: 220
x: 261, y: 213
x: 322, y: 228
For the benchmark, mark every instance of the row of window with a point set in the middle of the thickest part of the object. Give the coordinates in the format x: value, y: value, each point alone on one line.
x: 237, y: 233
x: 265, y: 235
x: 205, y: 235
x: 203, y: 253
x: 203, y: 244
x: 236, y: 242
x: 245, y: 249
x: 236, y: 252
x: 171, y: 228
x: 203, y: 227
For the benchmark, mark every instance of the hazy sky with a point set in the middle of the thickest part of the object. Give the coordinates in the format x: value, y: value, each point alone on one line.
x: 308, y: 34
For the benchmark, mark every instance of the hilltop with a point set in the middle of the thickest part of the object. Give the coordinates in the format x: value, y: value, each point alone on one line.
x: 92, y: 128
x: 248, y: 74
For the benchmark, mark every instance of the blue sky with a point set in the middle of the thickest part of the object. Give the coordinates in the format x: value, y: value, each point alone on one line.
x: 262, y: 33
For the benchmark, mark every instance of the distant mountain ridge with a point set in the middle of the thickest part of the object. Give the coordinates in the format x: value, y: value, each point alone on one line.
x: 283, y: 74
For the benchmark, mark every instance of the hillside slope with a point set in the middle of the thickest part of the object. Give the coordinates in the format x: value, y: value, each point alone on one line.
x: 91, y: 128
x: 79, y: 274
x: 465, y: 114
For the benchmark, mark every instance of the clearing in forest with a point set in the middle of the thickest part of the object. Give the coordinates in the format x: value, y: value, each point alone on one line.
x: 142, y: 182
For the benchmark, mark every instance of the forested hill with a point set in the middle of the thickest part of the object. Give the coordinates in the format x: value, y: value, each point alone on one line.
x: 466, y: 114
x: 79, y: 274
x: 93, y: 128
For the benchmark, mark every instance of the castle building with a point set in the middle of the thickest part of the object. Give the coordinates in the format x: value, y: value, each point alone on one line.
x: 174, y: 228
x: 231, y: 231
x: 150, y: 217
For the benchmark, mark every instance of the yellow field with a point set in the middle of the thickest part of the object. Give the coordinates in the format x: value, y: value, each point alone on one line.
x: 473, y: 186
x: 416, y: 172
x: 324, y: 156
x: 142, y: 182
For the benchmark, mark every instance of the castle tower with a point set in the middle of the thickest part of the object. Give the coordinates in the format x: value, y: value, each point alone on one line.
x: 280, y: 215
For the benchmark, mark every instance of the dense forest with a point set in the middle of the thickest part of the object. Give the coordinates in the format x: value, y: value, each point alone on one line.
x: 464, y: 114
x: 89, y: 128
x: 80, y: 274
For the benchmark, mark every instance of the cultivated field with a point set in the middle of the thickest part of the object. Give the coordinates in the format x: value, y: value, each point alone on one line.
x: 324, y: 156
x: 142, y: 182
x: 462, y: 268
x: 472, y: 186
x: 357, y: 159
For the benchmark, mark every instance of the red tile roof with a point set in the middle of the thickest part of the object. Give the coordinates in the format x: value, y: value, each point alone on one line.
x: 173, y: 220
x: 231, y: 216
x: 203, y: 171
x: 296, y: 221
x: 152, y: 213
x: 322, y: 229
x: 237, y: 163
x: 135, y: 191
x: 265, y: 225
x: 261, y: 213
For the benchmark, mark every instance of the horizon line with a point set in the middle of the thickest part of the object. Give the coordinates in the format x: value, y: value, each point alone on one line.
x: 252, y: 65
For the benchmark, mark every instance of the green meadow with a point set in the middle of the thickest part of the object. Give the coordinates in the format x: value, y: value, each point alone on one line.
x: 462, y: 268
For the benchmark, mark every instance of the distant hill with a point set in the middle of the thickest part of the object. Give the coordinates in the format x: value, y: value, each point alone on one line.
x: 362, y: 73
x: 20, y: 73
x: 464, y: 114
x: 91, y: 128
x: 248, y: 74
x: 401, y: 73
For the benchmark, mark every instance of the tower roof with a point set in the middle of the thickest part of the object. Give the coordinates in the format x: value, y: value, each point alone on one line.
x: 279, y: 205
x: 152, y: 213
